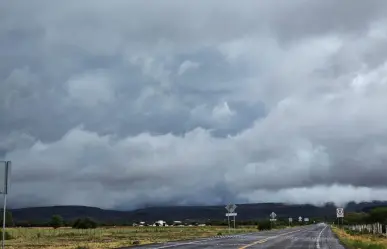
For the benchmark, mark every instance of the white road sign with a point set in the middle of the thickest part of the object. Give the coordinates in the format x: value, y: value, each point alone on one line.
x: 340, y: 212
x: 290, y: 219
x: 5, y: 168
x: 300, y: 219
x: 273, y: 215
x: 231, y: 214
x: 306, y: 219
x: 273, y: 219
x: 231, y: 208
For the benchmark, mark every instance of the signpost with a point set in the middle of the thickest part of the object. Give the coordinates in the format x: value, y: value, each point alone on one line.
x: 300, y: 219
x: 230, y: 212
x: 5, y: 169
x: 306, y: 219
x: 340, y: 214
x: 290, y: 221
x: 272, y: 218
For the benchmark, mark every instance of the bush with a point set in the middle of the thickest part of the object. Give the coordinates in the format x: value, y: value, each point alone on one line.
x: 264, y: 225
x: 8, y: 236
x: 352, y: 232
x: 85, y: 223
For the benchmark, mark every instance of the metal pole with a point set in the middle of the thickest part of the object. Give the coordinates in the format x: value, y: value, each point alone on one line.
x: 228, y: 218
x: 234, y: 222
x: 4, y: 210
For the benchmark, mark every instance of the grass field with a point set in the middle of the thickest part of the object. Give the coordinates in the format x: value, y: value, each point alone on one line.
x: 361, y: 241
x: 60, y: 238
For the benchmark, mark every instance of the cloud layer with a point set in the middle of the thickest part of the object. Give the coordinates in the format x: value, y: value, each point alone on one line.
x: 122, y: 104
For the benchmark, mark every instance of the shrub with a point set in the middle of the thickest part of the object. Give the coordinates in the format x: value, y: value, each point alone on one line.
x: 264, y: 225
x: 7, y: 236
x: 85, y: 223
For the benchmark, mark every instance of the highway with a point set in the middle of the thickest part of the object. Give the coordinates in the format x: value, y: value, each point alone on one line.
x: 317, y: 236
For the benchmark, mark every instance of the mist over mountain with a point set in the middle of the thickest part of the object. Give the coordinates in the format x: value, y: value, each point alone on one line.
x: 198, y: 213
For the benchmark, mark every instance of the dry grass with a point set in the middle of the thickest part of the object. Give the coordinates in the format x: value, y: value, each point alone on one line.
x: 61, y: 238
x: 361, y: 241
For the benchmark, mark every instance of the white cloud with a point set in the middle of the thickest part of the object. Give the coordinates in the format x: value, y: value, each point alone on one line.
x: 91, y: 89
x: 304, y: 96
x: 340, y: 195
x: 222, y: 112
x: 187, y: 65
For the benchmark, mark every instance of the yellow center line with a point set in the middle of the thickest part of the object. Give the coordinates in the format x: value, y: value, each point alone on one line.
x: 264, y: 240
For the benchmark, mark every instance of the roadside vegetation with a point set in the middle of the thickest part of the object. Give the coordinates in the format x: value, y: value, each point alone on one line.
x: 364, y: 230
x: 86, y: 233
x: 108, y: 237
x: 353, y: 240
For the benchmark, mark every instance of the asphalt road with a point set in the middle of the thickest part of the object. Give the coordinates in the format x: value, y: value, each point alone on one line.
x: 317, y: 236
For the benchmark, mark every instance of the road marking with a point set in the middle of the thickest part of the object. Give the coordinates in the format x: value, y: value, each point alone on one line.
x: 318, y: 238
x: 186, y: 243
x: 264, y: 240
x: 174, y: 245
x: 198, y: 241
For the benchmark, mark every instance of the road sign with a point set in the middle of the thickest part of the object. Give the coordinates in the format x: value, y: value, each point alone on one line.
x: 340, y: 212
x: 231, y: 208
x: 290, y: 219
x: 306, y: 219
x: 5, y: 170
x: 230, y: 212
x: 273, y: 215
x: 300, y: 219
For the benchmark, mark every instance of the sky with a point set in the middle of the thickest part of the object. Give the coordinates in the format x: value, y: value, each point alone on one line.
x: 125, y: 104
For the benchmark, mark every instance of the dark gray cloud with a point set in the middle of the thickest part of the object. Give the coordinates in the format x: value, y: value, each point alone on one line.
x: 191, y: 103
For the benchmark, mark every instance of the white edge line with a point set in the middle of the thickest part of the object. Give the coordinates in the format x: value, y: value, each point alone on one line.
x: 319, y: 236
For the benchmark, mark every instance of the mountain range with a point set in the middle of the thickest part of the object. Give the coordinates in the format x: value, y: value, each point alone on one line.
x: 198, y: 213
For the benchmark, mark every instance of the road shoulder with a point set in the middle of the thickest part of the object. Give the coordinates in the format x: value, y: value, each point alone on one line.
x: 358, y: 241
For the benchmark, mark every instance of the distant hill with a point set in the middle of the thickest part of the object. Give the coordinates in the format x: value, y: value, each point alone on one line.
x: 199, y: 213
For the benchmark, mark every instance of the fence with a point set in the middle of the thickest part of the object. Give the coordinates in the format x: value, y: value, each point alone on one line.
x: 376, y: 228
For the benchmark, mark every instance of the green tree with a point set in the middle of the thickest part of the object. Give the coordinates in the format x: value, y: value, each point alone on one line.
x: 85, y: 223
x: 378, y: 215
x: 56, y: 221
x: 353, y: 218
x: 8, y: 218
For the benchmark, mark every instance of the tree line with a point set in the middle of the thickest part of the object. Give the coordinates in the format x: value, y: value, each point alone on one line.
x: 376, y: 215
x: 55, y: 222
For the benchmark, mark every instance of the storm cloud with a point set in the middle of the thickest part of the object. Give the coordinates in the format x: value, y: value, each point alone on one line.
x: 123, y: 104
